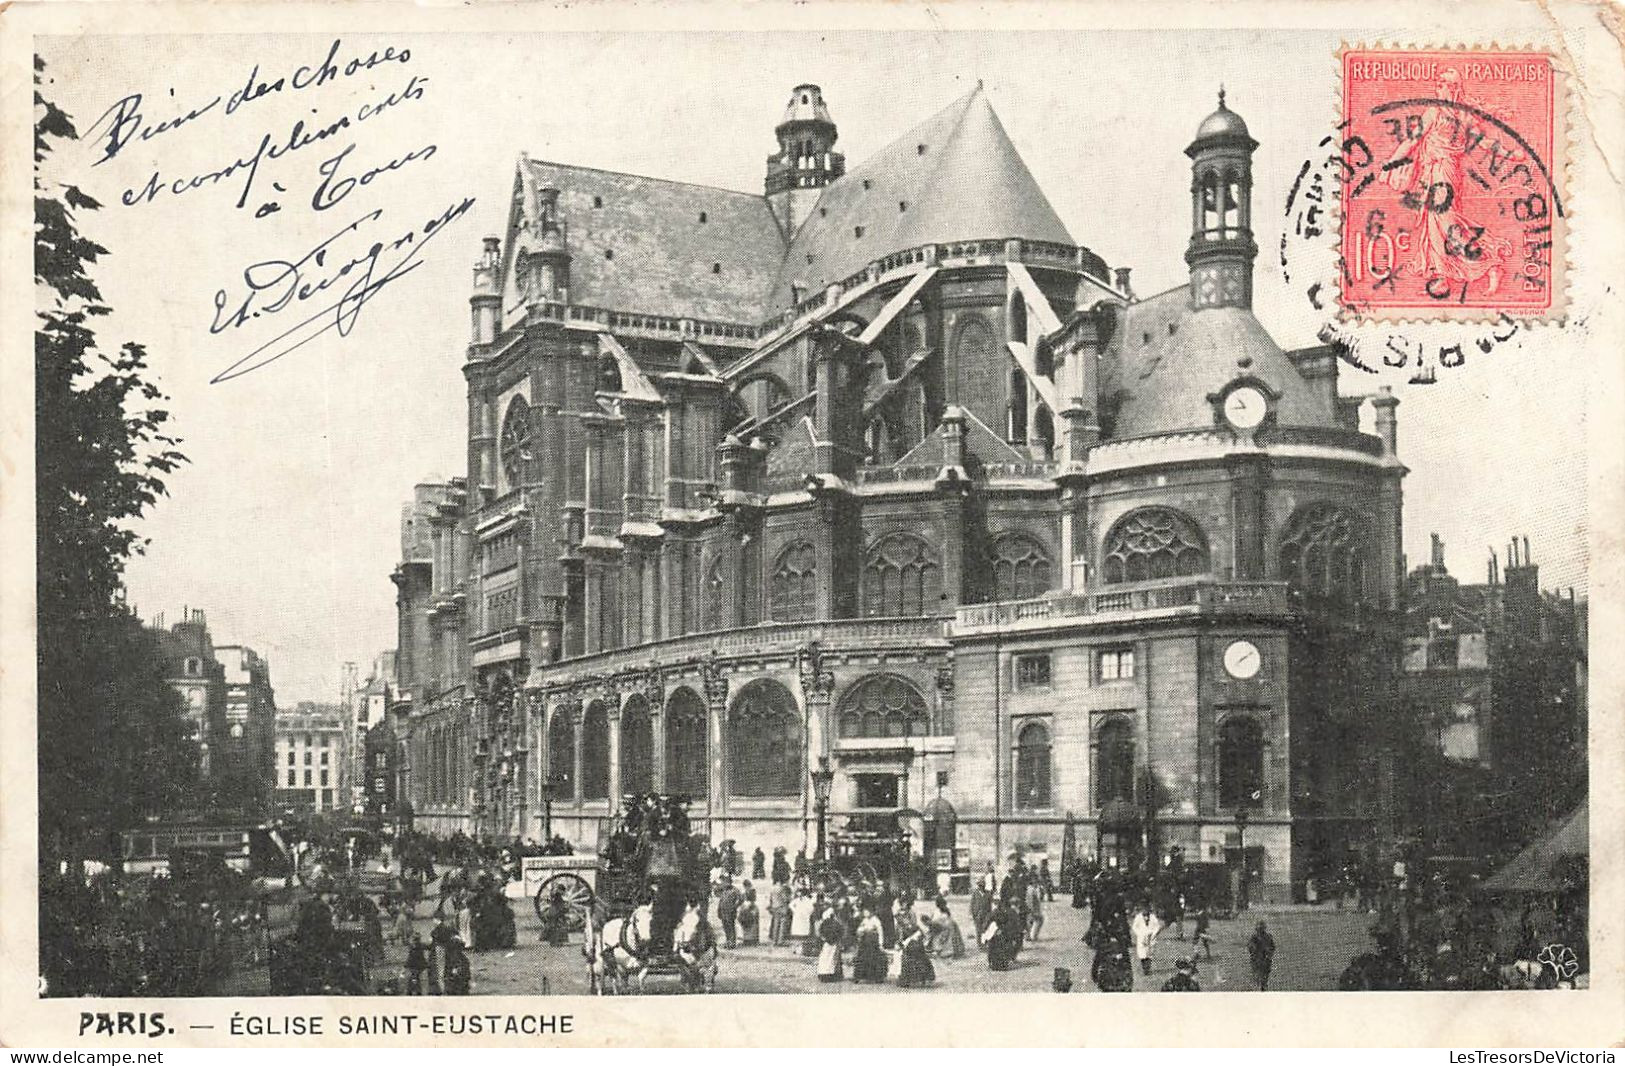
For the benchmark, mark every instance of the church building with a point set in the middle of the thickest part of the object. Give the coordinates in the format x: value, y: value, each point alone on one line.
x: 882, y: 472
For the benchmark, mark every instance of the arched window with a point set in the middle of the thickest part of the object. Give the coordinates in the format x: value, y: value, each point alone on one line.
x: 595, y: 753
x: 762, y: 395
x: 795, y: 584
x: 764, y: 742
x: 561, y: 754
x: 1044, y: 431
x: 883, y: 705
x: 1017, y: 418
x: 901, y: 578
x: 637, y: 747
x: 1018, y: 318
x: 1151, y: 543
x: 716, y: 600
x: 1021, y: 567
x: 1322, y: 552
x: 609, y: 374
x: 688, y: 757
x: 1032, y: 766
x: 1241, y: 762
x: 1114, y: 763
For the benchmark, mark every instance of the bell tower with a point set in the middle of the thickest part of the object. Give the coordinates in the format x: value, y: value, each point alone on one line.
x: 1222, y: 248
x: 806, y: 160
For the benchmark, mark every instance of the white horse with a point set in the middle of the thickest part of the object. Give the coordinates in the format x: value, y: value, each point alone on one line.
x: 610, y: 965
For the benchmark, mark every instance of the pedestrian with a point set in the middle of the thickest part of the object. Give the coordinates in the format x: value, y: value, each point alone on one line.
x: 1112, y: 971
x: 869, y: 964
x: 758, y: 865
x: 1002, y: 937
x: 403, y: 925
x: 750, y: 917
x: 465, y: 919
x: 1201, y: 938
x: 778, y: 913
x: 813, y: 909
x: 1144, y: 929
x: 417, y: 963
x: 1035, y: 908
x: 1184, y: 978
x: 440, y: 938
x: 915, y: 969
x: 947, y: 942
x: 885, y: 901
x: 830, y: 934
x: 981, y: 910
x: 1047, y: 880
x: 1261, y: 954
x: 728, y: 912
x: 459, y: 979
x: 781, y: 867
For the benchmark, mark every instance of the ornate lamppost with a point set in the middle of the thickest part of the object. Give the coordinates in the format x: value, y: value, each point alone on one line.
x: 548, y: 786
x: 823, y: 779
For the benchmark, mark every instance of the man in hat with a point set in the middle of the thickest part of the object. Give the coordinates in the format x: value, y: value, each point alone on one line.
x: 1261, y: 954
x: 728, y: 911
x: 1184, y: 978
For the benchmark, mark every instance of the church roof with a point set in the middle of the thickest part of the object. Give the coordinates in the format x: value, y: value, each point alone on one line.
x: 1166, y: 359
x: 639, y: 244
x: 955, y: 176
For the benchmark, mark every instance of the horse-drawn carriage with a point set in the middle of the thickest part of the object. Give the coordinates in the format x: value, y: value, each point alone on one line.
x: 644, y: 910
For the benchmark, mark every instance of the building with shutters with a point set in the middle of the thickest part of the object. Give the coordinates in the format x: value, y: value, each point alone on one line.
x: 884, y: 467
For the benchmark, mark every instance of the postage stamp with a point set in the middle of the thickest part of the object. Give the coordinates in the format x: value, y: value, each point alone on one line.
x: 1452, y: 204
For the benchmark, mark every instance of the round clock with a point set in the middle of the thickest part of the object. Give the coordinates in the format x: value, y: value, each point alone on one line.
x: 1245, y: 407
x: 1242, y: 660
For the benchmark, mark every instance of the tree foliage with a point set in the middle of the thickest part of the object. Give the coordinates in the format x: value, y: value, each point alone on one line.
x: 111, y: 735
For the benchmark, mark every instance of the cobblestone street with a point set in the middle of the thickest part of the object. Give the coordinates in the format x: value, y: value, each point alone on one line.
x: 1314, y: 945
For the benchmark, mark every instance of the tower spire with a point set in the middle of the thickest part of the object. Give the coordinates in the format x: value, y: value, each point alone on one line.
x: 806, y: 160
x: 1222, y: 248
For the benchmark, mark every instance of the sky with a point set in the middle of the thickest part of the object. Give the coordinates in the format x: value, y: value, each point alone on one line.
x: 284, y: 526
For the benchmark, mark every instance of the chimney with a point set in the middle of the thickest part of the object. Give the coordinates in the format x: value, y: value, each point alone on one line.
x: 1121, y: 275
x: 1438, y: 551
x: 1528, y: 556
x: 1387, y: 425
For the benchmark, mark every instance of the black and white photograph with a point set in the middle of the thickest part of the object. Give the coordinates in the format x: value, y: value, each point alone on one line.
x: 935, y: 507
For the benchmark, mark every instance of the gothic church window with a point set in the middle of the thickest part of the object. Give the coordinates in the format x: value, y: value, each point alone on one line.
x: 1033, y: 767
x: 1021, y: 568
x: 1241, y: 762
x: 715, y: 596
x: 883, y: 705
x: 764, y: 742
x: 595, y: 753
x: 687, y: 746
x: 901, y: 578
x: 795, y: 584
x: 1152, y: 543
x: 561, y: 754
x: 1322, y: 552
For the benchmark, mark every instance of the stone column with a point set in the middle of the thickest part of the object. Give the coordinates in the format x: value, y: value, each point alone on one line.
x: 715, y: 683
x: 945, y: 700
x: 654, y: 691
x: 1248, y: 474
x: 817, y: 688
x: 613, y: 705
x: 578, y: 714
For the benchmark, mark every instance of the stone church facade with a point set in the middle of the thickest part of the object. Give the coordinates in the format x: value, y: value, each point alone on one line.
x: 884, y: 468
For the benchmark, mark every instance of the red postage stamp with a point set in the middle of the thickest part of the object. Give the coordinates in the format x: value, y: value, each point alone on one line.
x: 1452, y: 184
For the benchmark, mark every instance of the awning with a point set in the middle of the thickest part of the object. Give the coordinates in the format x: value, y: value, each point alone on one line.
x: 1547, y: 865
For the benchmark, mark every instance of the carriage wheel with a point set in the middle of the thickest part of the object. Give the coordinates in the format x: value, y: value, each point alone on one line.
x: 577, y: 895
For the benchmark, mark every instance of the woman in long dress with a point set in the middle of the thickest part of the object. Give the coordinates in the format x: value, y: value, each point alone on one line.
x: 1003, y: 937
x: 916, y: 970
x: 947, y: 942
x: 749, y: 918
x: 830, y: 932
x: 870, y: 963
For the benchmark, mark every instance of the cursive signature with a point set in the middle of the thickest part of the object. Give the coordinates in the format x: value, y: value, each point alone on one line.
x: 271, y: 286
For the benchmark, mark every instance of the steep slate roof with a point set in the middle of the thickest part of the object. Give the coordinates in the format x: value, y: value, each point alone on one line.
x: 1167, y: 359
x: 969, y: 183
x: 663, y: 254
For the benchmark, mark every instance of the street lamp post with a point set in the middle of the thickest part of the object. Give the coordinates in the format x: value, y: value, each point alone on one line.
x: 1241, y: 846
x: 548, y: 785
x: 823, y: 779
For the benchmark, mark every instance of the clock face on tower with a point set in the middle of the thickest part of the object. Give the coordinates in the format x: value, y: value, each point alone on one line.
x: 516, y: 441
x: 1245, y: 407
x: 1242, y: 660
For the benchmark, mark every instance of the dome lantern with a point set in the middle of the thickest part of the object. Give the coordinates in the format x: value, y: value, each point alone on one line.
x: 1222, y: 248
